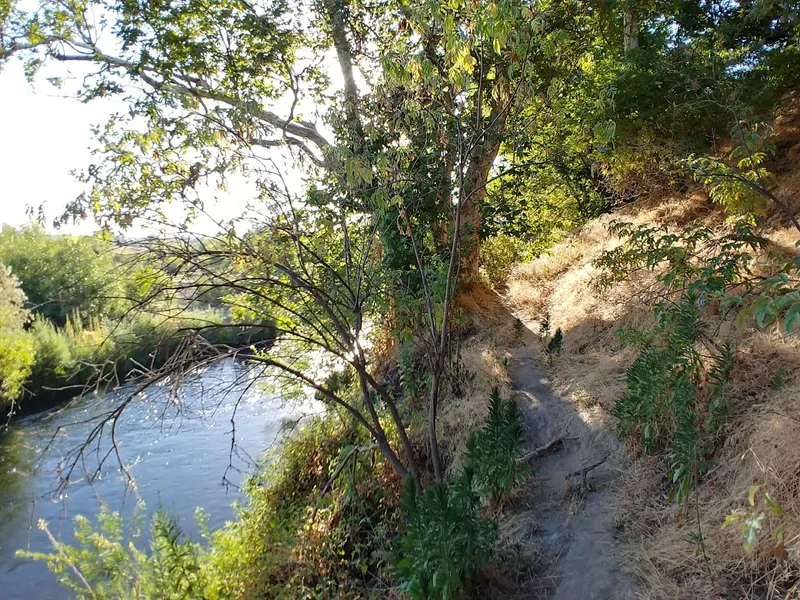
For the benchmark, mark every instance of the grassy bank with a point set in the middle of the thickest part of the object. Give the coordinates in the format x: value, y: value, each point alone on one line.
x: 79, y: 358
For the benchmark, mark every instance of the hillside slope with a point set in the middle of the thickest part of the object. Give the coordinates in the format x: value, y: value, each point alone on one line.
x: 681, y: 551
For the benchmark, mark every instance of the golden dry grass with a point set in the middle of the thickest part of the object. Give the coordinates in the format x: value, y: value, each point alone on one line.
x: 482, y: 351
x: 486, y: 332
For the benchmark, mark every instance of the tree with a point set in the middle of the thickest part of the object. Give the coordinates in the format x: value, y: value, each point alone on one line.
x: 211, y: 85
x: 17, y: 353
x: 212, y: 73
x: 61, y: 274
x: 437, y: 101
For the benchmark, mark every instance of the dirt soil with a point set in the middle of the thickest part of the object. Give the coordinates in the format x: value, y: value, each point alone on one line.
x: 576, y: 532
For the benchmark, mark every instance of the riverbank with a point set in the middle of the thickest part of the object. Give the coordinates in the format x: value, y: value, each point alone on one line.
x: 329, y: 513
x: 77, y: 359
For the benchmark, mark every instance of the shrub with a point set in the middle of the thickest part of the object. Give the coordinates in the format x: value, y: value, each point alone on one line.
x: 62, y: 274
x: 445, y: 540
x: 492, y: 452
x: 290, y: 541
x: 677, y: 388
x: 741, y: 187
x: 55, y: 361
x: 104, y: 562
x: 499, y: 254
x: 555, y: 344
x: 17, y: 346
x: 675, y: 397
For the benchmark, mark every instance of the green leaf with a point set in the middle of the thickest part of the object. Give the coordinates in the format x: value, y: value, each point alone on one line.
x: 780, y: 533
x: 750, y: 529
x: 791, y: 318
x: 732, y: 518
x: 776, y: 507
x: 751, y: 494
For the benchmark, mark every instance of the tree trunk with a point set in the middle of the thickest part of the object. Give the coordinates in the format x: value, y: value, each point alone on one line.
x: 380, y: 434
x: 337, y: 18
x: 474, y: 193
x: 433, y: 442
x: 479, y: 165
x: 630, y: 31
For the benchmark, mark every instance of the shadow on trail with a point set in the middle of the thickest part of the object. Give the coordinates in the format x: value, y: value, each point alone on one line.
x: 572, y: 523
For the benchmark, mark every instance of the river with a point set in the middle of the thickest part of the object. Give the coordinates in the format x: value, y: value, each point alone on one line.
x: 177, y: 447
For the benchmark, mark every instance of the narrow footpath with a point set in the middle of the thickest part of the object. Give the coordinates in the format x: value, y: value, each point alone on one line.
x: 576, y: 530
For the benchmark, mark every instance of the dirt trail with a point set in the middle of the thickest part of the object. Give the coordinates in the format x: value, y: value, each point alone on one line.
x: 576, y: 528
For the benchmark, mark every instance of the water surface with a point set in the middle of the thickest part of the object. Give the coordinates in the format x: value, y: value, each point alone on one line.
x: 176, y: 445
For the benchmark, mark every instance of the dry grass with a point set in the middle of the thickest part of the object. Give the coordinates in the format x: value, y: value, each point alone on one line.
x: 483, y: 347
x: 762, y: 440
x: 761, y: 449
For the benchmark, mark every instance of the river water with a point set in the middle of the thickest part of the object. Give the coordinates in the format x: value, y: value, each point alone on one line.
x: 177, y: 447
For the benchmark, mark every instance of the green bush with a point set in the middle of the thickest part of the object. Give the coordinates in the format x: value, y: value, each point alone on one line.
x: 677, y: 395
x: 555, y: 344
x: 105, y: 564
x: 499, y: 254
x: 290, y: 541
x: 492, y: 452
x: 55, y: 361
x: 445, y: 540
x: 665, y: 403
x: 63, y: 274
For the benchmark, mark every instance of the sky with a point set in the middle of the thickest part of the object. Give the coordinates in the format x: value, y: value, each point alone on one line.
x: 43, y: 136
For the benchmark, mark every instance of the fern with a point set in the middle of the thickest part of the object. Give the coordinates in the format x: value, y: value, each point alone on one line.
x: 687, y: 448
x: 492, y: 452
x: 719, y: 377
x: 445, y: 540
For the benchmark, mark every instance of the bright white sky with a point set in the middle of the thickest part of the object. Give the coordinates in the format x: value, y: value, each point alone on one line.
x: 43, y: 136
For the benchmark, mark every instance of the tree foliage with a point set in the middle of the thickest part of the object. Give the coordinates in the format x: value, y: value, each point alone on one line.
x: 17, y: 353
x: 62, y: 275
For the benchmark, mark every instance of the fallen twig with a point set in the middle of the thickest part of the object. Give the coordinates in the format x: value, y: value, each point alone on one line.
x: 542, y: 450
x: 585, y: 471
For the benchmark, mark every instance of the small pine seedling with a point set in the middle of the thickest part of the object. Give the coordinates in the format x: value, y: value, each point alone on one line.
x: 554, y: 346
